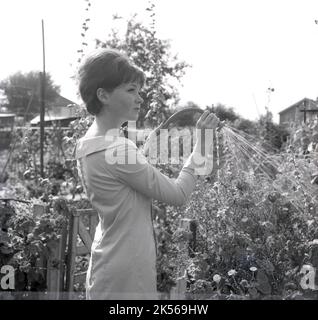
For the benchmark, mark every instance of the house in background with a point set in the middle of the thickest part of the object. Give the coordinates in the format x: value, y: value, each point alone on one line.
x: 302, y: 111
x: 62, y: 111
x: 6, y: 128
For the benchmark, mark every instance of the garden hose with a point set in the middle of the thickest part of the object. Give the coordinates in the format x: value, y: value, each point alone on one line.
x: 176, y: 116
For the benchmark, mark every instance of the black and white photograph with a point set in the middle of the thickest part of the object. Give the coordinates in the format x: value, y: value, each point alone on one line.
x: 158, y: 151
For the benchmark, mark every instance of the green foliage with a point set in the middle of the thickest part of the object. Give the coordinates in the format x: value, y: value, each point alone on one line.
x: 247, y: 126
x: 60, y: 172
x: 23, y: 92
x: 26, y: 239
x: 304, y: 138
x: 153, y: 56
x: 185, y: 120
x: 253, y: 232
x: 224, y: 113
x: 273, y: 134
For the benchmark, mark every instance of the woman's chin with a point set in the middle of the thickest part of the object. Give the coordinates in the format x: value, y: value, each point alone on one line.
x: 130, y: 119
x: 134, y: 117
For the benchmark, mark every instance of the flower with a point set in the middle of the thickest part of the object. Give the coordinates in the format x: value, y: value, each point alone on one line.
x: 232, y: 272
x: 216, y: 278
x: 244, y: 283
x: 253, y: 269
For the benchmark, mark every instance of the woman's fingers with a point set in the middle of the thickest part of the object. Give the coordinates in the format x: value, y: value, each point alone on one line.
x: 204, y: 115
x: 208, y: 121
x: 214, y: 121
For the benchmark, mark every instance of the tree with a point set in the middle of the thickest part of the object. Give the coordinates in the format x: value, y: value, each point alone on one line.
x: 23, y: 92
x: 224, y: 113
x: 247, y: 126
x: 185, y: 120
x: 3, y: 101
x: 153, y: 56
x: 274, y: 135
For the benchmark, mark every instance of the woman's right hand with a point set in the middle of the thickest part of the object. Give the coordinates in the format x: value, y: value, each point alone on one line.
x: 208, y: 120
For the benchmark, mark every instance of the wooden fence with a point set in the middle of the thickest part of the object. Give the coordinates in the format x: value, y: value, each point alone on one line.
x: 78, y: 232
x: 76, y: 240
x: 58, y: 266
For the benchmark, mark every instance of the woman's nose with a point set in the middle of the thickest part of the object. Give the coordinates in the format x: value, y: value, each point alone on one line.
x: 140, y: 99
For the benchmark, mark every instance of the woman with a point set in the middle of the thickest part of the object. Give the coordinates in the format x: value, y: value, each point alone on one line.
x: 120, y: 183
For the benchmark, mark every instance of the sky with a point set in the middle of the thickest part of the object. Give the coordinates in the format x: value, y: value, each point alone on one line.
x: 237, y: 49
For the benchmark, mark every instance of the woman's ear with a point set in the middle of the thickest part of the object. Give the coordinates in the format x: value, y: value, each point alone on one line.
x: 102, y: 95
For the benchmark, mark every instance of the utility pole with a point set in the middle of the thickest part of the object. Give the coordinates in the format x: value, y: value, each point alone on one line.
x: 42, y: 113
x: 305, y: 107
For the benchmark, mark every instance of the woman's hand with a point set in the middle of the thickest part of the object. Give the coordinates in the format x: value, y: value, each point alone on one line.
x: 208, y: 121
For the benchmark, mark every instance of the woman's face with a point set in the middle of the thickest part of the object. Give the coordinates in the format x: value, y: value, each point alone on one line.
x: 125, y: 101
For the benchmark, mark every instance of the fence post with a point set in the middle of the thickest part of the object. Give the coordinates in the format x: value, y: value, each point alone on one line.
x: 56, y: 267
x: 72, y: 241
x: 186, y: 226
x: 41, y: 265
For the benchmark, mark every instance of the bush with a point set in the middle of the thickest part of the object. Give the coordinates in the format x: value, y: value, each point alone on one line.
x: 254, y: 232
x: 27, y: 240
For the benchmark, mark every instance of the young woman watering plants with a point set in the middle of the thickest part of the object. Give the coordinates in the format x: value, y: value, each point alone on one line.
x: 119, y: 181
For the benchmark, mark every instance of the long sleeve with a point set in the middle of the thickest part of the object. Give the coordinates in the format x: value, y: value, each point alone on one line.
x: 133, y: 169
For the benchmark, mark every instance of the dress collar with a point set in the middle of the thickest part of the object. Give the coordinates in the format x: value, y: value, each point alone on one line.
x: 88, y: 145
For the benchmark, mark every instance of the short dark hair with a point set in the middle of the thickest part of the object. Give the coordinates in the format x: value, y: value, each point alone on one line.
x: 107, y: 69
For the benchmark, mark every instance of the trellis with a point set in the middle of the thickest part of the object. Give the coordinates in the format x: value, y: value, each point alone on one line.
x: 61, y: 274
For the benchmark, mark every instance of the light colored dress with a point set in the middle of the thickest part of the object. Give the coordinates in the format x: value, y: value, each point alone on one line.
x: 123, y: 255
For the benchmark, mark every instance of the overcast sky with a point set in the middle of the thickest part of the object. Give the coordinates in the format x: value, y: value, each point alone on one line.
x: 237, y: 49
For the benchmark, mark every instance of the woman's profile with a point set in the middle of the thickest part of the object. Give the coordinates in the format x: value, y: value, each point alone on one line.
x: 119, y: 181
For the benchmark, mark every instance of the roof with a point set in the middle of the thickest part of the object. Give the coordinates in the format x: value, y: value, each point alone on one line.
x: 58, y: 113
x: 60, y: 101
x: 311, y: 105
x: 6, y: 120
x: 7, y: 115
x: 60, y: 109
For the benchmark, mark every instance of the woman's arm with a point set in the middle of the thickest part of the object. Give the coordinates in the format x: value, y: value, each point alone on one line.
x: 133, y: 169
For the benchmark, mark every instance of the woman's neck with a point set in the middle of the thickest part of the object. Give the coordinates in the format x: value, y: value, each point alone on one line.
x: 103, y: 125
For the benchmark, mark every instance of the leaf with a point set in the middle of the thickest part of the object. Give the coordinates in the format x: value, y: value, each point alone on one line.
x: 266, y: 265
x: 263, y: 284
x: 314, y: 180
x: 5, y: 250
x: 314, y: 256
x: 4, y: 239
x: 253, y: 293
